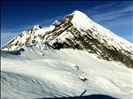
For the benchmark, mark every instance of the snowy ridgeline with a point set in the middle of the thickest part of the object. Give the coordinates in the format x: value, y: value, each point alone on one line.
x: 38, y: 71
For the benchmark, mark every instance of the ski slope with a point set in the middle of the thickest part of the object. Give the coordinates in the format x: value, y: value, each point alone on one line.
x: 38, y: 71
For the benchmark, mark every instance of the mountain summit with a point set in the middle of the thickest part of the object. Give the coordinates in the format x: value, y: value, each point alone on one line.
x: 77, y: 31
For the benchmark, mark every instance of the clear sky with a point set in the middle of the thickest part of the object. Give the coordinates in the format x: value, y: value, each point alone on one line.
x: 17, y: 16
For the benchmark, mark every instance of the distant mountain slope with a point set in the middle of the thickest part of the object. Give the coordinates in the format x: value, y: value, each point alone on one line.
x: 77, y: 31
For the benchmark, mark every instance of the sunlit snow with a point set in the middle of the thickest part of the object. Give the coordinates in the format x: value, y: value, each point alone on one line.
x: 38, y: 71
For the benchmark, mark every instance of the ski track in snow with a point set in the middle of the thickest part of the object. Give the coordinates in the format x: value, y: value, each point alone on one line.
x: 37, y: 73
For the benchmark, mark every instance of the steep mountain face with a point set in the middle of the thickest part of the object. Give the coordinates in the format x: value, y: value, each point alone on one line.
x: 77, y: 31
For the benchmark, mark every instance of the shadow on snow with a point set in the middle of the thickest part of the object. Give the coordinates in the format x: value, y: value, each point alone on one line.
x: 95, y: 96
x: 15, y: 52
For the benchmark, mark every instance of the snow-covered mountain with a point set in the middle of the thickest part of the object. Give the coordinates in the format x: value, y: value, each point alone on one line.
x: 76, y: 30
x: 72, y: 58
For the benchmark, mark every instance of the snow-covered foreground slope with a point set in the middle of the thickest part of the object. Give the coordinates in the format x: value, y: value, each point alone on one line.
x: 34, y: 73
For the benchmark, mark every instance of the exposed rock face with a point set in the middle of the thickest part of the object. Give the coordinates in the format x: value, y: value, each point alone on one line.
x: 77, y: 31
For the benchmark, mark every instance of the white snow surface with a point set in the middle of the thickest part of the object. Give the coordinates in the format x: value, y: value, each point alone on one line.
x: 38, y: 71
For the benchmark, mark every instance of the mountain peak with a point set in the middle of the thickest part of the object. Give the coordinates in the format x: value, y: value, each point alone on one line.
x: 79, y: 13
x: 36, y: 27
x: 80, y: 20
x: 56, y: 23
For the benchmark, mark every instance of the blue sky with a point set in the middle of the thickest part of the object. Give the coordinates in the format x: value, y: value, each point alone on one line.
x: 17, y: 16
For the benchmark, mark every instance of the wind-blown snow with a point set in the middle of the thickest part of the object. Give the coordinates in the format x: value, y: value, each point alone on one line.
x: 38, y: 71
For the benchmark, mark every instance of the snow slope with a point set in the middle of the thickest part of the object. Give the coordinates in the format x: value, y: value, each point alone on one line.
x: 105, y: 36
x: 38, y: 71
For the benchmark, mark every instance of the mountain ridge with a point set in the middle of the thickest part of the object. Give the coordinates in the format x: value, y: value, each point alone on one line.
x: 78, y: 31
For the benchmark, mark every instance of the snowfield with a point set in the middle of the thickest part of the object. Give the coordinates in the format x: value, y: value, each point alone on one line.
x: 38, y: 71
